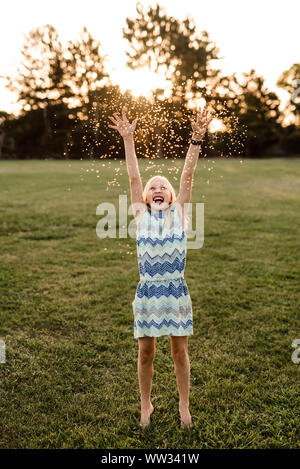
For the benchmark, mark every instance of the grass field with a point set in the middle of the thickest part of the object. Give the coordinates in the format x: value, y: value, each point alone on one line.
x: 70, y: 377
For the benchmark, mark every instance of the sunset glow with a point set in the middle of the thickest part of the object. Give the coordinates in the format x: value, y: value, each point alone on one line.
x: 142, y: 82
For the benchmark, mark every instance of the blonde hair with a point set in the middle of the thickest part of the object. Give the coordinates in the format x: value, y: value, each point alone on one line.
x: 148, y: 184
x: 172, y: 200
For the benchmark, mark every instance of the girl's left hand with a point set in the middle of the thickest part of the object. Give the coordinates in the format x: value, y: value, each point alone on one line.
x: 200, y: 125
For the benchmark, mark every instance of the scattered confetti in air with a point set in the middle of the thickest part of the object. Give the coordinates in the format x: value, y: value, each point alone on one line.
x: 161, y: 137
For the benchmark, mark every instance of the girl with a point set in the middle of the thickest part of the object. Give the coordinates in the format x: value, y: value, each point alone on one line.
x: 162, y: 304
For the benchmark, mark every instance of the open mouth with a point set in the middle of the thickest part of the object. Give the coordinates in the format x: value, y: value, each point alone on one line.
x: 158, y: 199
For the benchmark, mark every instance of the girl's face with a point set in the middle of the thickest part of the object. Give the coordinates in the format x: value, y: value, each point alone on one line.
x: 159, y: 195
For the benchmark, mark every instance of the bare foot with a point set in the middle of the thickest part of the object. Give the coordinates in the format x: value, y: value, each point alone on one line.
x: 145, y: 416
x: 185, y: 418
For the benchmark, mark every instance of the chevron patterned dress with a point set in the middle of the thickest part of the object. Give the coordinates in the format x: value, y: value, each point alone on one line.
x: 162, y: 304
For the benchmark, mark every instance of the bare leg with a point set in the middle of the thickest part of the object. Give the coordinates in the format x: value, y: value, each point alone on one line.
x: 145, y: 373
x: 179, y: 349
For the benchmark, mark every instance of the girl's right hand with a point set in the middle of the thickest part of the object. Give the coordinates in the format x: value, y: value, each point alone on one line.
x: 123, y: 126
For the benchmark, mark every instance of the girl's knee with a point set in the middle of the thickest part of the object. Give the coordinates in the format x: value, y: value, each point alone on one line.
x: 146, y: 356
x: 180, y: 356
x: 146, y: 352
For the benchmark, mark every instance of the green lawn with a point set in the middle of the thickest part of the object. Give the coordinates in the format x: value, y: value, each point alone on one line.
x: 70, y: 377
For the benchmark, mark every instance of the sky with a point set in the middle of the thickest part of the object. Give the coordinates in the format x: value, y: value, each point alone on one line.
x: 260, y: 34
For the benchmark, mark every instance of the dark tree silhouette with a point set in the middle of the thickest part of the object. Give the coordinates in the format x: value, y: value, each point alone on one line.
x: 55, y: 82
x: 39, y: 81
x: 66, y: 96
x: 49, y: 74
x: 162, y: 42
x: 84, y: 72
x: 256, y: 108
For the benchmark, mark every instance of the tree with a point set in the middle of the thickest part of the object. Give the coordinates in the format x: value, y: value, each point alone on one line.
x: 56, y: 79
x: 39, y: 82
x: 84, y: 71
x: 256, y: 108
x: 166, y: 44
x: 39, y: 79
x: 50, y: 74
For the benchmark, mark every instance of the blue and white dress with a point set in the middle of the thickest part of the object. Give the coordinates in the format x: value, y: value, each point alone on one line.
x: 162, y: 304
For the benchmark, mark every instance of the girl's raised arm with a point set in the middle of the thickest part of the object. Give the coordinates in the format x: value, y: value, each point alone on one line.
x: 126, y: 130
x: 199, y: 128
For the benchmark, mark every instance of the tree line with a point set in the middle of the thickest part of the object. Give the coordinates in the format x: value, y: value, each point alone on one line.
x: 65, y: 95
